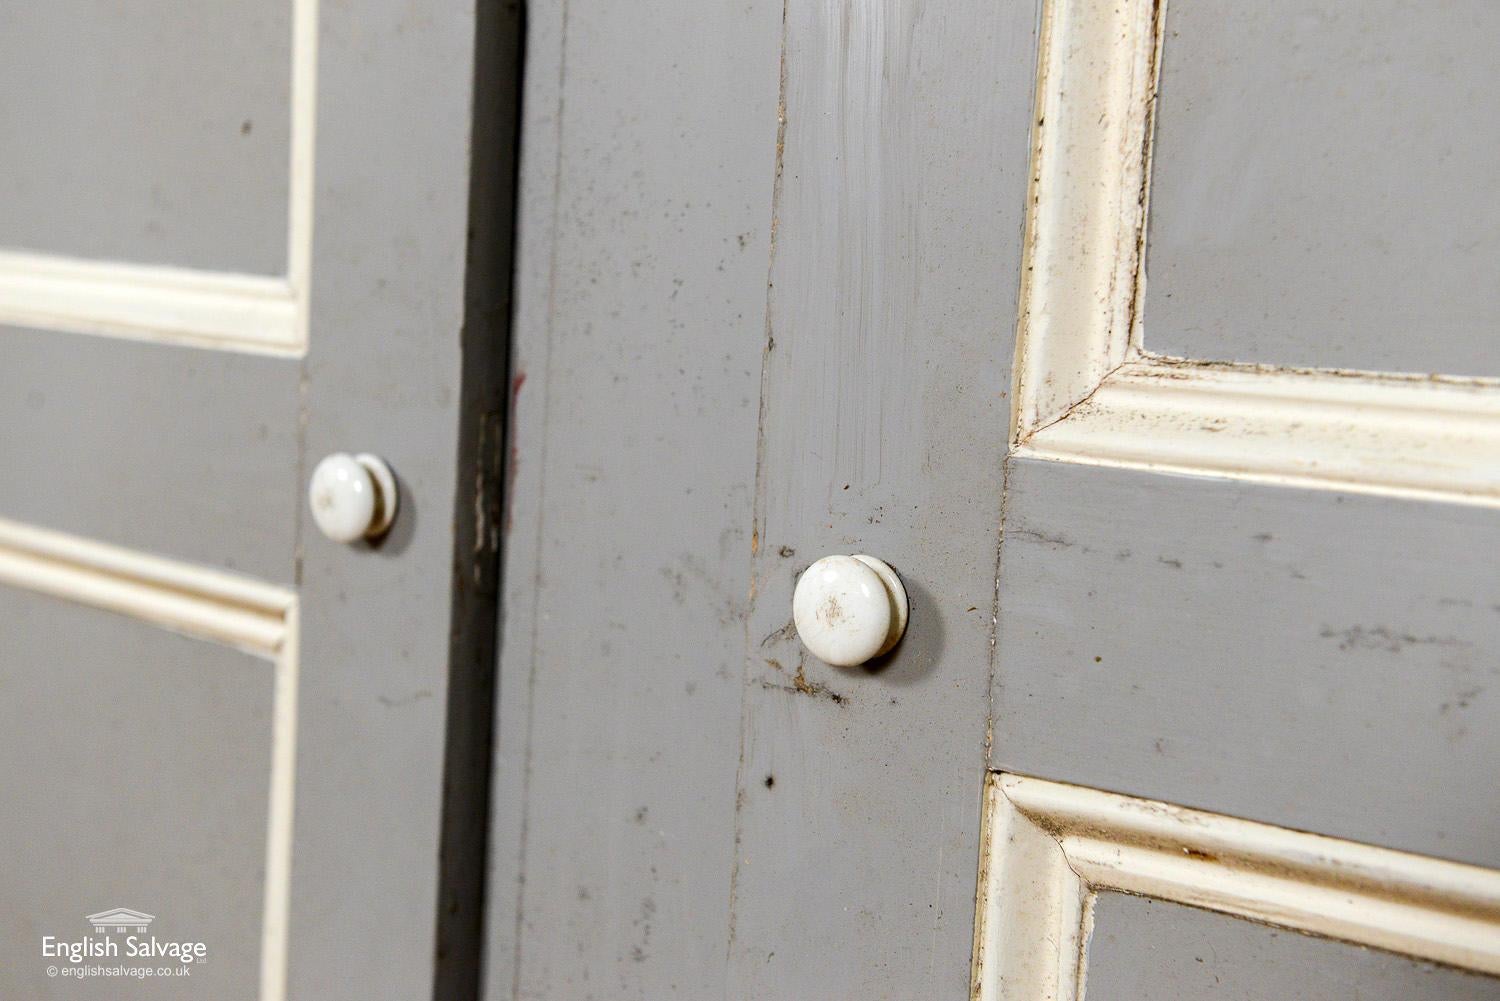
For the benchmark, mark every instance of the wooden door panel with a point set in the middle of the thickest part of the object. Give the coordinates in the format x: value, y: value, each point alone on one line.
x: 1319, y: 660
x: 636, y: 379
x: 137, y: 468
x: 900, y: 190
x: 148, y: 132
x: 1251, y: 590
x: 1324, y: 191
x: 1145, y: 950
x: 105, y: 806
x: 175, y: 451
x: 1054, y: 851
x: 407, y: 350
x: 1272, y: 568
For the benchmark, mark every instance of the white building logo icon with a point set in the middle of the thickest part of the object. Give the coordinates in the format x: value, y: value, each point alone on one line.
x: 118, y: 919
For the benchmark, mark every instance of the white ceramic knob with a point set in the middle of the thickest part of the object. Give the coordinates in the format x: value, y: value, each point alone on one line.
x: 849, y: 609
x: 352, y: 496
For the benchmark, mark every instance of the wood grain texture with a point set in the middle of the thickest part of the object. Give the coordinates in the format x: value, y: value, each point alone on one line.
x: 644, y: 235
x: 894, y: 278
x: 1314, y: 660
x: 1324, y: 191
x: 1142, y: 950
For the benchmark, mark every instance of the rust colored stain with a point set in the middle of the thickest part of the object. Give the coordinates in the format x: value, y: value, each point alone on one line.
x: 514, y: 459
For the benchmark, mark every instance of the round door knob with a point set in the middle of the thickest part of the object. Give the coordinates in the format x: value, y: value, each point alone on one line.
x: 849, y: 609
x: 352, y: 496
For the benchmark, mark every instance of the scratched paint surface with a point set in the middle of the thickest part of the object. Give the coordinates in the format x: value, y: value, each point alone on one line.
x: 658, y: 527
x: 644, y: 237
x: 887, y: 361
x: 822, y: 838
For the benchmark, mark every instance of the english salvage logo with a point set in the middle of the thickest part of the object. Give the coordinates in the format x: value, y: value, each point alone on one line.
x: 121, y: 933
x: 120, y: 919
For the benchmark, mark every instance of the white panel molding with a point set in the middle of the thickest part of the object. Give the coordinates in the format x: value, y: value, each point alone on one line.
x: 1096, y: 91
x: 257, y: 314
x: 258, y: 618
x: 1087, y: 391
x: 1414, y: 436
x: 149, y: 303
x: 300, y: 183
x: 1049, y: 848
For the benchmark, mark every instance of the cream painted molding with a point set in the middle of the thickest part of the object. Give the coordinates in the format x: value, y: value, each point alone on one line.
x: 233, y: 312
x: 1087, y: 391
x: 149, y: 303
x: 1410, y: 437
x: 257, y: 618
x: 1048, y: 848
x: 1095, y: 92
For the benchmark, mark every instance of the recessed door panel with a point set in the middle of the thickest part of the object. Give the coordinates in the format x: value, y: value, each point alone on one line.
x: 1306, y: 658
x: 1147, y: 950
x: 1258, y: 590
x: 137, y: 775
x: 1324, y: 189
x: 187, y: 332
x: 174, y: 451
x: 149, y: 132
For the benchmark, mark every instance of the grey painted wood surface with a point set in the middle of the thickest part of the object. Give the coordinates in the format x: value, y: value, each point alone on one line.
x: 203, y: 455
x: 649, y: 160
x: 175, y: 451
x: 896, y: 262
x: 102, y: 807
x: 667, y: 824
x: 405, y: 347
x: 852, y: 838
x: 1320, y: 661
x: 1324, y: 188
x: 150, y: 131
x: 1146, y: 950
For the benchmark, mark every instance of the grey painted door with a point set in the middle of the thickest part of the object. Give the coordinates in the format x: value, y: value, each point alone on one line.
x: 237, y: 237
x: 1196, y: 543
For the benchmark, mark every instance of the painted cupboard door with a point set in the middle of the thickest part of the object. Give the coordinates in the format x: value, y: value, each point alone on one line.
x: 239, y: 759
x: 1247, y: 638
x: 767, y: 275
x: 1196, y: 695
